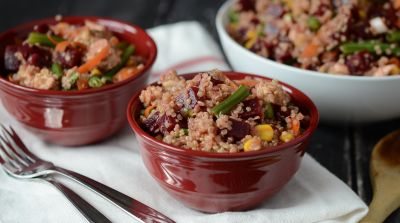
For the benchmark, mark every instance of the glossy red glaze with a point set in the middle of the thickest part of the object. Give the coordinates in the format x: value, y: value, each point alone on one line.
x: 217, y: 182
x: 76, y: 117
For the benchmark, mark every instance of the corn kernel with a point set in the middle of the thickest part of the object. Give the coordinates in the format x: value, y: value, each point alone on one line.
x: 252, y: 144
x: 252, y: 38
x: 95, y: 72
x: 265, y: 132
x: 247, y: 145
x: 286, y: 136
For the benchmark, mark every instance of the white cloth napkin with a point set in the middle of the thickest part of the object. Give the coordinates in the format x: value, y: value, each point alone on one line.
x: 313, y: 195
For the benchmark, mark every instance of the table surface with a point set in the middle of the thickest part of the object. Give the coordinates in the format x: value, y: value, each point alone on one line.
x: 344, y: 149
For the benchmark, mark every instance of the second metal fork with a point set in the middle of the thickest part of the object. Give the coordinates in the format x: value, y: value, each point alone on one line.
x: 13, y: 147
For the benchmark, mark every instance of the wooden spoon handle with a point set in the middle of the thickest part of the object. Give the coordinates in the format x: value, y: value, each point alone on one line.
x: 386, y: 199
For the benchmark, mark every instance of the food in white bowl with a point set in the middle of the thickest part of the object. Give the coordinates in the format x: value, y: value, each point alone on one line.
x: 338, y: 97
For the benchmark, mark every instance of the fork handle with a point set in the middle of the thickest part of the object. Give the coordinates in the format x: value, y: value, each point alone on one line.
x: 134, y: 208
x: 91, y: 214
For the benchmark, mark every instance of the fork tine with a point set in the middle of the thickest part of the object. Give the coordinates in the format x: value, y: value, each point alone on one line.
x: 20, y: 144
x: 7, y: 161
x: 13, y: 152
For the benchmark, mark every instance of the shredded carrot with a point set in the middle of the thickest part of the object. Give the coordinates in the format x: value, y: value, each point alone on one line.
x: 394, y: 61
x: 82, y: 83
x: 114, y: 41
x: 296, y: 126
x: 61, y: 46
x: 310, y: 51
x: 93, y: 62
x: 126, y: 73
x: 397, y: 4
x: 51, y: 39
x: 148, y: 110
x: 79, y: 44
x: 247, y: 82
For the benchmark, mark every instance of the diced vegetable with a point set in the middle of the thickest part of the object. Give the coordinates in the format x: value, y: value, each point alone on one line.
x: 124, y: 58
x: 95, y: 72
x: 95, y: 82
x: 239, y: 130
x: 393, y: 36
x: 61, y: 46
x: 247, y: 82
x: 57, y: 70
x: 126, y: 73
x: 286, y: 136
x: 74, y: 77
x: 122, y: 45
x: 105, y: 79
x: 82, y: 83
x: 296, y: 127
x: 248, y: 145
x: 313, y: 23
x: 310, y: 51
x: 233, y: 16
x: 252, y: 144
x: 269, y: 111
x: 265, y: 132
x: 93, y: 62
x: 371, y: 46
x: 42, y: 39
x: 252, y: 108
x: 148, y: 110
x: 225, y: 106
x: 186, y: 131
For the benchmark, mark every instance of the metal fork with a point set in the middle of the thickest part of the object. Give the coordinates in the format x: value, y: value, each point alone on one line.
x: 14, y: 149
x: 14, y: 164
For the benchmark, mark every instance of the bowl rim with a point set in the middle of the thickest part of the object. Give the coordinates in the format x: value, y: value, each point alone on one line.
x: 222, y: 13
x: 314, y: 119
x: 119, y: 23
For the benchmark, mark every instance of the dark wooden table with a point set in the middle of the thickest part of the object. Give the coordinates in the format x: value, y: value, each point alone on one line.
x: 343, y: 149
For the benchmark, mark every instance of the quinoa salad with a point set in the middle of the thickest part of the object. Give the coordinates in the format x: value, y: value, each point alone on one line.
x: 213, y: 113
x: 354, y: 37
x: 67, y: 57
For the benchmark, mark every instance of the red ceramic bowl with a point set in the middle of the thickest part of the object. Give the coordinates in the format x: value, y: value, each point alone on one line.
x: 75, y: 117
x: 217, y: 182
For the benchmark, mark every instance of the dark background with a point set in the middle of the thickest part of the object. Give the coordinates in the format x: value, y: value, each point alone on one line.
x: 344, y: 149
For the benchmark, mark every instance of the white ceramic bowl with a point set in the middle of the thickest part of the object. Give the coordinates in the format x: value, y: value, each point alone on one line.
x: 338, y: 98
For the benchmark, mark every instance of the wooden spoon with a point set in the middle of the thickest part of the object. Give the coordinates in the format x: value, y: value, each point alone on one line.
x: 385, y: 178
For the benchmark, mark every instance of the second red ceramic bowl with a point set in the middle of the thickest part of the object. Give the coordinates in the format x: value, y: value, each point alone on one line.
x: 76, y: 117
x: 217, y: 182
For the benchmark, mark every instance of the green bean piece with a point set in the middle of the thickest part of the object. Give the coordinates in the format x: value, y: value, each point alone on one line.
x: 371, y: 46
x: 122, y: 45
x: 269, y: 111
x: 225, y: 106
x: 95, y: 82
x: 57, y: 70
x: 42, y: 39
x: 233, y: 16
x: 393, y: 37
x: 313, y: 23
x: 106, y: 80
x: 124, y: 59
x: 73, y: 78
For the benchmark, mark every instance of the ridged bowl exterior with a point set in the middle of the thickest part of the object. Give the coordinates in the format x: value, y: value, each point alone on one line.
x: 217, y: 182
x: 75, y: 118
